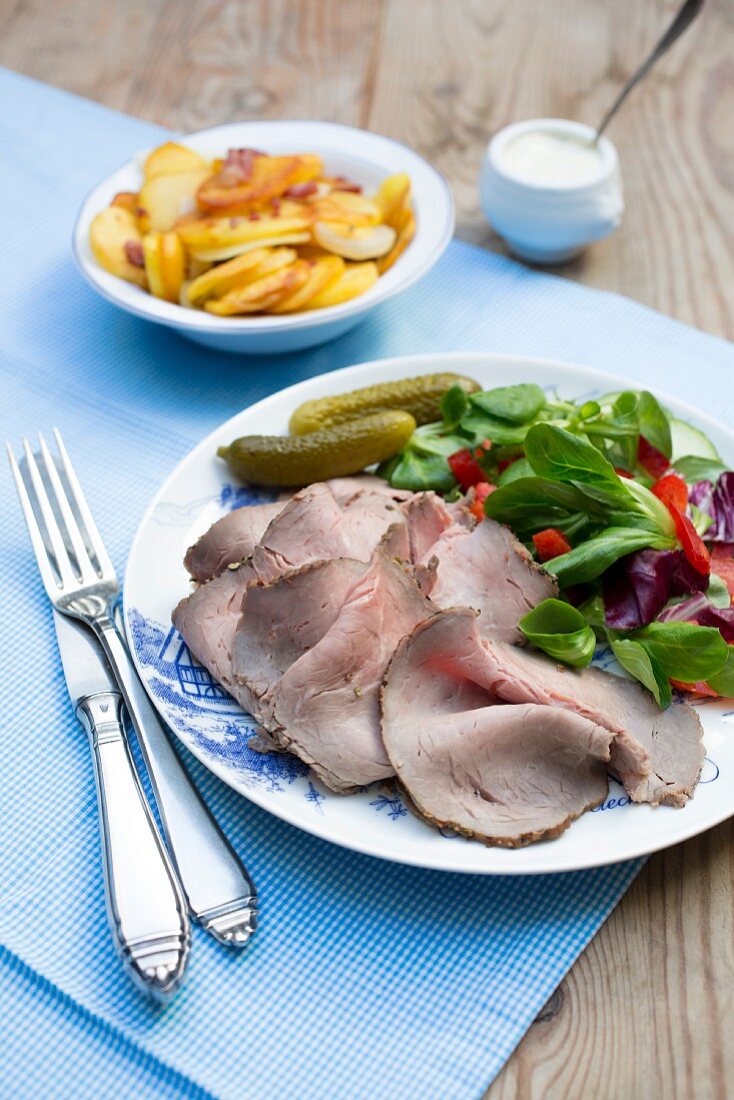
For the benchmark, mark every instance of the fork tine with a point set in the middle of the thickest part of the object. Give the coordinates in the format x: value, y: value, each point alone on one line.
x: 63, y: 564
x: 50, y: 581
x: 88, y: 573
x: 80, y: 501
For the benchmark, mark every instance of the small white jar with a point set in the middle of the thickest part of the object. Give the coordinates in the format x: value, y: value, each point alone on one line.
x: 549, y: 211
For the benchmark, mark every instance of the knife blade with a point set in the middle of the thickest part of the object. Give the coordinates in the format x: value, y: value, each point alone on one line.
x: 145, y: 904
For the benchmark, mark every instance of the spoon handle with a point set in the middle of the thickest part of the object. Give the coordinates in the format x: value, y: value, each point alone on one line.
x: 682, y: 21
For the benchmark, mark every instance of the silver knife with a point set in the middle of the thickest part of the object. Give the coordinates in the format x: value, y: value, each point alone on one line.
x: 145, y: 905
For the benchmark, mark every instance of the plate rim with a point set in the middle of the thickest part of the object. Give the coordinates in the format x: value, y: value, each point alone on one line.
x: 318, y: 826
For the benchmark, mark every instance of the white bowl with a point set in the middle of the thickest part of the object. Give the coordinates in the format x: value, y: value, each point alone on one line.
x: 545, y: 222
x: 364, y: 157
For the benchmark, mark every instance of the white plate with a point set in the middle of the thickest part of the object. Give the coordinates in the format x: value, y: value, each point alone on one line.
x: 364, y: 157
x: 214, y: 728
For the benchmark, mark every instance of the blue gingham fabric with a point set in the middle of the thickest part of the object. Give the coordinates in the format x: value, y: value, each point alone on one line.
x: 365, y: 978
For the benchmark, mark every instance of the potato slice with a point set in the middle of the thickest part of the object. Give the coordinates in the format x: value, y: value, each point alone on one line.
x: 215, y: 255
x: 222, y: 278
x: 171, y: 157
x: 355, y: 280
x: 346, y: 207
x: 212, y: 233
x: 269, y: 178
x: 263, y: 294
x: 164, y: 199
x: 113, y: 235
x: 406, y: 232
x: 128, y: 200
x: 165, y: 265
x: 354, y: 242
x: 392, y: 195
x: 323, y: 273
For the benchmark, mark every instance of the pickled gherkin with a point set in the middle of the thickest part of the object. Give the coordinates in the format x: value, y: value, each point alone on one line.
x: 420, y: 397
x: 330, y: 452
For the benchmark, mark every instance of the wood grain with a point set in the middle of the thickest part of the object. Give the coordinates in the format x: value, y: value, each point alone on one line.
x: 646, y: 1009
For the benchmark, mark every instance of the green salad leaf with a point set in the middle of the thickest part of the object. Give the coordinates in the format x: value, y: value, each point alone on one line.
x: 693, y: 468
x: 723, y: 681
x: 560, y: 631
x: 643, y: 666
x: 685, y: 651
x: 518, y: 404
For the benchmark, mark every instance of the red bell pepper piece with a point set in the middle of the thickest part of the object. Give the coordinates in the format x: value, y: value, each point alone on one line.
x: 671, y: 489
x: 466, y: 469
x: 481, y: 492
x: 620, y: 472
x: 699, y: 688
x: 550, y: 543
x: 693, y: 545
x: 651, y: 459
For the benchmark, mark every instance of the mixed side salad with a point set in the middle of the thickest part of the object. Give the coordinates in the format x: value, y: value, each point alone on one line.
x: 630, y: 508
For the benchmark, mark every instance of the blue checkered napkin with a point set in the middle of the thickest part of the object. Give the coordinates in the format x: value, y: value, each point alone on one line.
x: 364, y: 976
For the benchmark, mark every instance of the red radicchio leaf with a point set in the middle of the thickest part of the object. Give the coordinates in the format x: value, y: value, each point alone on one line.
x: 640, y: 585
x: 716, y: 501
x: 701, y: 611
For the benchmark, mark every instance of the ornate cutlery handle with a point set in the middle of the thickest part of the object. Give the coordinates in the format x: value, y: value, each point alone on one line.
x: 219, y: 891
x: 144, y: 904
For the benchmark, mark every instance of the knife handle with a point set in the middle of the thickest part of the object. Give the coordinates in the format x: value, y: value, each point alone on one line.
x: 146, y: 911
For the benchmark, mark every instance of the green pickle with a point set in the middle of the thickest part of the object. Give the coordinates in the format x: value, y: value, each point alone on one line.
x: 330, y: 452
x: 421, y: 397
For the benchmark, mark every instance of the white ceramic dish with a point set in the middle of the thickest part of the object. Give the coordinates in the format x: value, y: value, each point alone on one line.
x: 364, y: 157
x: 546, y: 223
x: 214, y: 728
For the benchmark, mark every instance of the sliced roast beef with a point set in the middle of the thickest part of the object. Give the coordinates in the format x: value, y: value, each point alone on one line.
x: 325, y: 706
x: 207, y: 620
x: 656, y: 753
x: 286, y: 618
x: 231, y: 539
x: 367, y: 508
x: 504, y: 774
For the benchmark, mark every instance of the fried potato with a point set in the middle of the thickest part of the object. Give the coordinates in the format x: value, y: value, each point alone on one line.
x: 406, y: 232
x: 346, y: 207
x: 323, y: 273
x: 222, y: 278
x: 263, y: 294
x: 113, y: 236
x: 269, y: 178
x: 215, y: 255
x: 354, y: 280
x: 165, y: 198
x: 212, y: 233
x: 128, y: 200
x: 354, y: 242
x: 165, y: 264
x: 170, y: 158
x: 393, y: 195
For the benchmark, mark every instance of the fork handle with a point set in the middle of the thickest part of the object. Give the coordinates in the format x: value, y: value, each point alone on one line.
x: 218, y: 889
x: 144, y: 905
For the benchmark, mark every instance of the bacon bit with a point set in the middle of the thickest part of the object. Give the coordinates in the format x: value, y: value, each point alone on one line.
x: 699, y: 688
x: 134, y: 253
x: 301, y: 190
x: 481, y: 492
x: 275, y: 207
x: 234, y: 222
x: 722, y: 563
x: 466, y: 469
x: 253, y: 216
x: 651, y: 459
x: 551, y: 543
x: 141, y: 212
x: 238, y: 167
x: 341, y: 183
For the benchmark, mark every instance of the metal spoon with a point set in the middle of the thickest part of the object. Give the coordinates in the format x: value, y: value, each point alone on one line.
x: 682, y: 21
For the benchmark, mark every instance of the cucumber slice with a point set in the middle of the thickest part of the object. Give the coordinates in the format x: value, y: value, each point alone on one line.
x: 687, y: 440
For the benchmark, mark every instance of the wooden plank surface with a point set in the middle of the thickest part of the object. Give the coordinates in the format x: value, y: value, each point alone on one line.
x: 646, y: 1009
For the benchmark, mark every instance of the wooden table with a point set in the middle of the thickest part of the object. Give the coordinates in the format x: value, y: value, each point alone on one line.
x: 646, y: 1010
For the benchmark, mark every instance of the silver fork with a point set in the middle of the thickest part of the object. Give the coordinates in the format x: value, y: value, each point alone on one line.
x: 80, y: 581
